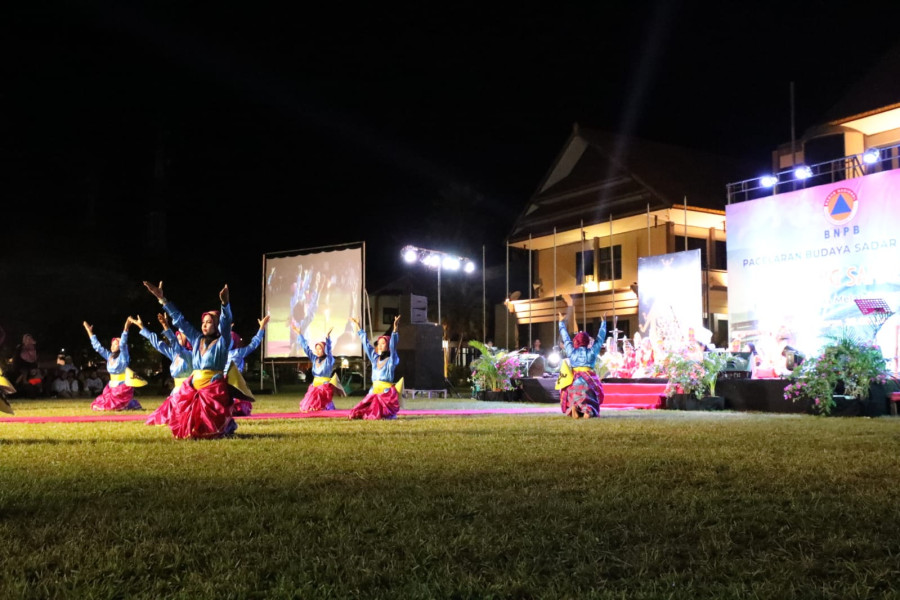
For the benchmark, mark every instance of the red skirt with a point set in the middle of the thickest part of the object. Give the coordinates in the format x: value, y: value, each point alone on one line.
x: 585, y: 394
x: 385, y: 405
x: 318, y: 398
x: 161, y: 415
x: 200, y: 414
x: 120, y: 397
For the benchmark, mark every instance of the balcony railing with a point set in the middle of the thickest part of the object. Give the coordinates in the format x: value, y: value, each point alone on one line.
x: 848, y: 167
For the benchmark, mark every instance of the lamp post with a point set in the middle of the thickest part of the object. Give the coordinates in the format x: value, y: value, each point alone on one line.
x: 439, y: 261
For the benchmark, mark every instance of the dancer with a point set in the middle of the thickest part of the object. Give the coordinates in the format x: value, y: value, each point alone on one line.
x: 201, y: 407
x: 176, y: 348
x: 320, y: 394
x: 584, y: 395
x: 234, y: 369
x: 119, y: 392
x: 383, y: 399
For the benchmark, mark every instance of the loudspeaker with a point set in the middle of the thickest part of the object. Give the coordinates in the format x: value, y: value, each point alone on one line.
x: 737, y: 366
x: 414, y: 309
x: 539, y: 389
x: 534, y: 363
x: 421, y: 356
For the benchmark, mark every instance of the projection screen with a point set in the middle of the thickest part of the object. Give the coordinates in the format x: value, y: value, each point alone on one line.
x: 314, y: 290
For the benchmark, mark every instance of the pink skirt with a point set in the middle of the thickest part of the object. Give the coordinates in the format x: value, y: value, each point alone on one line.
x: 161, y: 415
x: 201, y: 414
x: 318, y: 398
x: 385, y: 405
x: 120, y: 397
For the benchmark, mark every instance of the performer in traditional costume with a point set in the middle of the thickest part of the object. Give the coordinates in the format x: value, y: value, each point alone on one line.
x: 201, y: 407
x: 234, y: 369
x: 176, y: 348
x: 383, y: 399
x: 320, y: 393
x: 582, y: 395
x: 119, y: 392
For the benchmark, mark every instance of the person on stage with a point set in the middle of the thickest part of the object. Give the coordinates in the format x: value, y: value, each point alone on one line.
x: 234, y: 369
x: 201, y: 407
x: 583, y: 396
x: 320, y: 394
x: 383, y: 399
x: 175, y: 347
x: 119, y: 392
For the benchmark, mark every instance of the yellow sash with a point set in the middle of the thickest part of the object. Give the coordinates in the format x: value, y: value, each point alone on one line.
x: 236, y: 380
x: 566, y: 376
x: 117, y: 377
x: 379, y: 387
x: 132, y: 380
x: 178, y: 382
x: 203, y: 377
x: 317, y: 381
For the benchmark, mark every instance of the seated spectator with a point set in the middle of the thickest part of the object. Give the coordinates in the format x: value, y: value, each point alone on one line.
x: 93, y: 384
x: 74, y: 388
x: 60, y: 386
x: 33, y: 385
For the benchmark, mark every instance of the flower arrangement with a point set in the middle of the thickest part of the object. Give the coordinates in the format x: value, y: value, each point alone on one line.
x: 845, y: 361
x: 495, y: 369
x: 690, y: 375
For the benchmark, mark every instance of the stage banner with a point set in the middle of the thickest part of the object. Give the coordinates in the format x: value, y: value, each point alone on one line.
x: 671, y: 296
x: 314, y: 291
x: 798, y: 261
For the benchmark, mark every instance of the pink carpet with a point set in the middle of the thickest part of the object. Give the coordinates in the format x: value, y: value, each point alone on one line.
x: 341, y: 414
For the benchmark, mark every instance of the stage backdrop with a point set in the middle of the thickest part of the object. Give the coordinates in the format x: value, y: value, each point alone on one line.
x: 315, y: 290
x: 798, y: 260
x: 671, y: 295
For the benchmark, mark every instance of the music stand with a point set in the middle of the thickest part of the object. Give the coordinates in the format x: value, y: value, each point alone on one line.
x: 876, y: 309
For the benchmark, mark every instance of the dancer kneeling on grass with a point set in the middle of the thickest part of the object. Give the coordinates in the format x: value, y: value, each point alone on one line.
x: 176, y: 348
x: 383, y: 399
x: 119, y: 392
x: 201, y: 407
x: 583, y: 395
x: 234, y: 370
x: 319, y: 395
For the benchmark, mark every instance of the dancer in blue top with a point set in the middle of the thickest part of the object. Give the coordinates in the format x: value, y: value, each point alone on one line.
x: 234, y: 369
x: 582, y: 396
x: 119, y: 392
x: 320, y: 394
x: 383, y: 399
x: 201, y: 407
x: 172, y: 346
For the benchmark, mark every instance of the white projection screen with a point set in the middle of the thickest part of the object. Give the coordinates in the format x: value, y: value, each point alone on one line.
x: 799, y: 261
x: 315, y: 290
x: 671, y: 298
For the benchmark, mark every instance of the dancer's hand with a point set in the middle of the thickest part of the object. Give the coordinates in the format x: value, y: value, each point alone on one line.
x: 223, y: 295
x: 355, y: 323
x: 89, y: 329
x: 263, y: 322
x: 161, y: 317
x: 157, y: 291
x: 396, y: 320
x: 328, y: 335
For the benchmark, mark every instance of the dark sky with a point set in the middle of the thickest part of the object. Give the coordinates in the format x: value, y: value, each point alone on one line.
x: 288, y: 126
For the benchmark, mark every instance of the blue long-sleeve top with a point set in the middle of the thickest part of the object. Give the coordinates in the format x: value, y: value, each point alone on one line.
x: 382, y: 370
x: 584, y: 356
x: 115, y: 365
x: 216, y: 355
x: 321, y: 367
x: 237, y: 355
x: 182, y: 364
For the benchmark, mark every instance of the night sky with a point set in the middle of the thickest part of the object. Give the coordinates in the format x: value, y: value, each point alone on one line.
x: 246, y: 128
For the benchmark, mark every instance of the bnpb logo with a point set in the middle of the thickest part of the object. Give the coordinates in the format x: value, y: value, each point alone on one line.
x: 840, y: 206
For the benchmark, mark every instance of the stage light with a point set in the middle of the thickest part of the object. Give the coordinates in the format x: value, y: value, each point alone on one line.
x: 410, y: 254
x: 470, y: 267
x: 871, y: 156
x: 802, y: 172
x: 768, y: 180
x: 345, y: 364
x: 431, y: 260
x: 450, y: 263
x: 553, y: 359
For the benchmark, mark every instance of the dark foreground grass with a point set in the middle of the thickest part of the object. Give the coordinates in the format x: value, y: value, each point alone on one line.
x: 634, y: 505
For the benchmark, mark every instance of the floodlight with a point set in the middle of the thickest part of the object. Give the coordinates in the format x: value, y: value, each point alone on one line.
x: 768, y: 180
x: 451, y: 263
x: 802, y: 172
x: 410, y: 254
x: 470, y: 267
x: 553, y: 359
x: 871, y: 156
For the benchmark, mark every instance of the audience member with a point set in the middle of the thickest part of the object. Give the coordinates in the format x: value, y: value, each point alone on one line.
x: 93, y: 384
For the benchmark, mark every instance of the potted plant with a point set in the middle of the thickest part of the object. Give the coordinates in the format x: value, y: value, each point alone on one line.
x: 692, y: 380
x: 493, y: 371
x: 846, y: 367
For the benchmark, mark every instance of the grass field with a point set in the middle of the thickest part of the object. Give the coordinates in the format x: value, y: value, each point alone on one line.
x: 638, y: 504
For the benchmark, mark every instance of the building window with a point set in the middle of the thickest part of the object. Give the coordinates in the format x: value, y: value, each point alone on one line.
x: 720, y: 257
x: 388, y: 314
x: 584, y: 264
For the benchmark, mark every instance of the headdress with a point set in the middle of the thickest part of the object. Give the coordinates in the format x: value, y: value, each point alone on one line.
x: 581, y: 340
